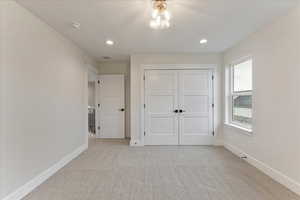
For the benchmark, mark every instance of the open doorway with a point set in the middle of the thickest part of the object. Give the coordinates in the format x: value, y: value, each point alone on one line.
x: 108, y: 103
x: 92, y: 78
x: 119, y: 69
x: 91, y: 109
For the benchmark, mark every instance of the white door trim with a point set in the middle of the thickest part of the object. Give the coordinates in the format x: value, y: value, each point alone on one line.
x: 144, y: 67
x: 178, y: 66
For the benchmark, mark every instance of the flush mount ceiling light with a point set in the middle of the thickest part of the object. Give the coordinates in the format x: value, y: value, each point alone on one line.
x: 76, y: 25
x: 107, y: 57
x: 203, y: 41
x: 160, y: 15
x: 109, y: 42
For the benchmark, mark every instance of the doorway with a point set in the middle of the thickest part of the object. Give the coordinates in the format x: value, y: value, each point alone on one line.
x: 178, y: 107
x: 110, y: 106
x: 91, y: 108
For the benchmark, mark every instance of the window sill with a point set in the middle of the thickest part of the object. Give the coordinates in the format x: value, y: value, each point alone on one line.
x: 240, y: 128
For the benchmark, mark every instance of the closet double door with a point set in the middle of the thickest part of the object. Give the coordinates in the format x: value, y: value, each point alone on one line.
x: 178, y: 107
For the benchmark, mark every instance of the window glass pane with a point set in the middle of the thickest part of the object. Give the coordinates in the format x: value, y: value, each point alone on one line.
x: 242, y: 109
x: 242, y: 76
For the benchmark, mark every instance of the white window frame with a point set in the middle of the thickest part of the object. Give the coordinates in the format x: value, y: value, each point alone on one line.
x: 230, y: 93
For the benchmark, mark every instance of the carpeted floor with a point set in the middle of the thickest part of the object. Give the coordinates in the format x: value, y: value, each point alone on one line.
x: 111, y: 170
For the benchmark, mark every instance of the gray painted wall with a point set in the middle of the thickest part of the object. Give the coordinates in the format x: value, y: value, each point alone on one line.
x: 276, y: 110
x: 43, y: 97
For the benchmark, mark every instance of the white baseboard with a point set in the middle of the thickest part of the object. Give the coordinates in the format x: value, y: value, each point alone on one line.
x: 273, y: 173
x: 39, y: 179
x: 138, y: 143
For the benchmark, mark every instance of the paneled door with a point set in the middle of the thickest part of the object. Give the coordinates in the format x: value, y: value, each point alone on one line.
x: 110, y: 106
x: 161, y: 103
x: 178, y: 107
x: 196, y: 107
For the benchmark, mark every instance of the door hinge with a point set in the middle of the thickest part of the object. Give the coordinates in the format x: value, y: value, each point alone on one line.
x: 98, y: 105
x: 213, y: 133
x: 144, y: 77
x: 99, y: 128
x: 213, y: 105
x: 144, y: 133
x: 98, y: 82
x: 213, y: 77
x: 144, y: 106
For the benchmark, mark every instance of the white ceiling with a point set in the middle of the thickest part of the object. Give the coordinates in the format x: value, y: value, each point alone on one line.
x: 222, y: 22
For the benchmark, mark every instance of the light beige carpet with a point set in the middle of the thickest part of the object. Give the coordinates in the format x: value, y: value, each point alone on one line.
x: 111, y: 170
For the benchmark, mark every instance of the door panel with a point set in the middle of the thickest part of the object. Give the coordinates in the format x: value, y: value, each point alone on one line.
x: 162, y: 126
x: 161, y: 99
x: 195, y: 125
x: 161, y: 103
x: 196, y: 103
x: 110, y: 97
x: 195, y: 99
x: 188, y: 90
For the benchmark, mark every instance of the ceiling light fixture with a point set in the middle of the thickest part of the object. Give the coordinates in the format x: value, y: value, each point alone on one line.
x: 109, y: 42
x: 76, y: 25
x: 203, y: 41
x: 106, y: 57
x: 160, y: 15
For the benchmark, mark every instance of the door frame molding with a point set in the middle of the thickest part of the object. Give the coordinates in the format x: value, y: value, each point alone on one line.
x: 145, y: 67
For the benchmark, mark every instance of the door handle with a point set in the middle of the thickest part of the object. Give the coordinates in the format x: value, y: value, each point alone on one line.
x: 176, y: 111
x: 182, y: 111
x: 122, y: 109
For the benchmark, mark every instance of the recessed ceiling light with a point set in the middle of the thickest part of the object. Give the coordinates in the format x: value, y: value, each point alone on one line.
x: 107, y: 57
x: 76, y: 25
x: 203, y: 41
x: 109, y: 42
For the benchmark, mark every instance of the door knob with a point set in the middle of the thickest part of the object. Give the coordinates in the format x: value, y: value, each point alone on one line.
x: 176, y: 111
x: 122, y: 109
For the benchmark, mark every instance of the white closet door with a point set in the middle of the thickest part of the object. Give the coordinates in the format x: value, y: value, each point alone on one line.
x: 195, y: 100
x: 110, y: 106
x: 161, y: 99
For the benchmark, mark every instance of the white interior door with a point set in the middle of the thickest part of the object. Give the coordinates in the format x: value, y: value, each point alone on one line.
x: 161, y: 99
x: 196, y: 100
x: 190, y: 92
x: 110, y: 106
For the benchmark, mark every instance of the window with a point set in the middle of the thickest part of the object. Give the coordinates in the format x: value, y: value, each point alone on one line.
x: 240, y: 113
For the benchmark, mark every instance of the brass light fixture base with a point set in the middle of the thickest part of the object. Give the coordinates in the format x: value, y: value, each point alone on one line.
x: 160, y: 5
